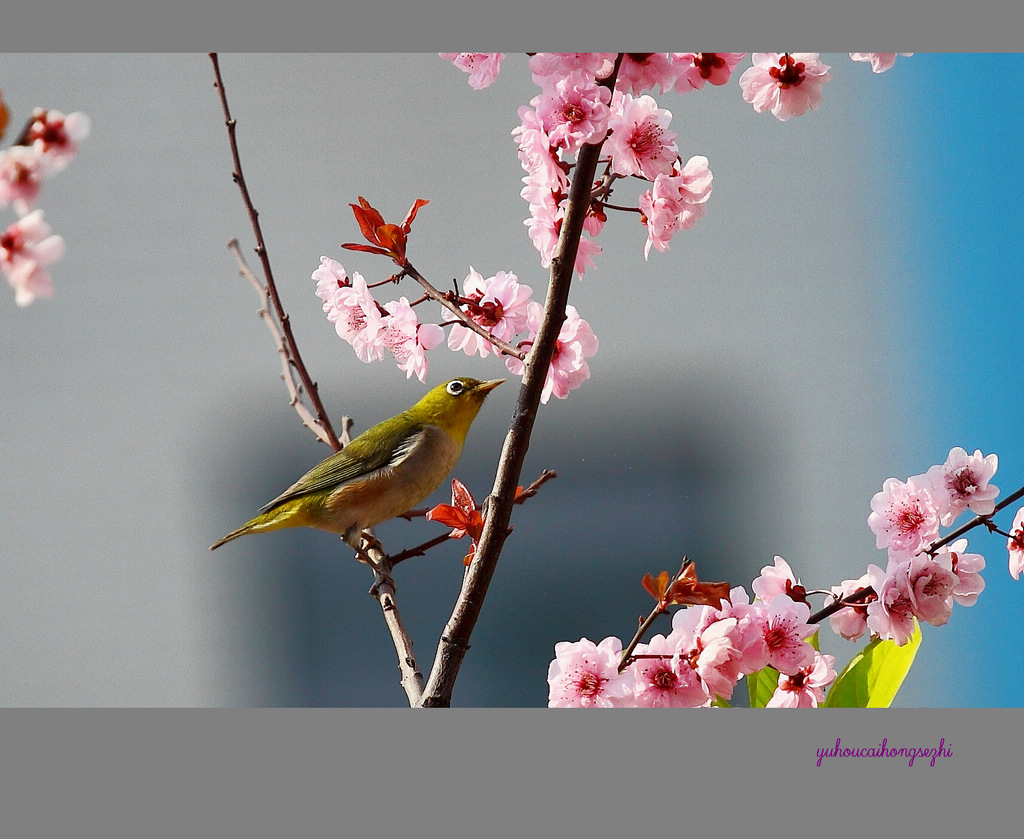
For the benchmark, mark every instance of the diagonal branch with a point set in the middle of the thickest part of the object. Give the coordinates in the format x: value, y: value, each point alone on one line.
x: 291, y: 355
x: 454, y: 642
x: 442, y: 298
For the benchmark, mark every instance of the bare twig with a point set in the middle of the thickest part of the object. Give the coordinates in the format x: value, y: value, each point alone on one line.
x: 291, y: 354
x: 288, y: 370
x: 455, y: 640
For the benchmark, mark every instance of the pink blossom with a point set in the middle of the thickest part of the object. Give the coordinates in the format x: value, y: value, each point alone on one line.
x: 783, y: 627
x: 667, y: 681
x: 498, y: 304
x: 904, y: 516
x: 537, y: 155
x: 351, y: 308
x: 21, y: 176
x: 586, y: 675
x: 586, y: 250
x: 548, y: 67
x: 545, y: 221
x: 851, y: 622
x: 482, y: 66
x: 880, y: 61
x: 776, y: 579
x: 787, y: 84
x: 56, y: 136
x: 576, y: 342
x: 675, y: 202
x: 962, y: 482
x: 967, y: 567
x: 25, y: 248
x: 891, y: 616
x: 643, y: 71
x: 408, y: 339
x: 1015, y: 544
x: 931, y: 588
x: 708, y: 643
x: 640, y: 142
x: 574, y: 111
x: 806, y: 687
x: 696, y: 68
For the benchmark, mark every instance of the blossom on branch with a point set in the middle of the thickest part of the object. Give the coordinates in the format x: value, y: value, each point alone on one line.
x: 56, y: 136
x: 575, y: 344
x: 904, y: 516
x: 546, y: 67
x: 26, y: 247
x: 787, y: 84
x: 696, y: 68
x: 408, y: 339
x: 537, y: 154
x: 962, y: 482
x: 351, y: 308
x: 21, y: 177
x: 967, y: 567
x: 1015, y: 544
x: 586, y: 675
x: 851, y: 622
x: 499, y: 304
x: 675, y: 202
x: 643, y: 71
x: 806, y: 687
x: 663, y: 678
x: 482, y: 66
x: 640, y: 142
x: 880, y: 61
x: 574, y: 111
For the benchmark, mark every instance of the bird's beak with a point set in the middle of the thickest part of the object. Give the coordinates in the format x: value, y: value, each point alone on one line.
x: 484, y: 387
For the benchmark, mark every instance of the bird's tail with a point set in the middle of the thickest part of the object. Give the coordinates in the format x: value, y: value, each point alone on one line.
x: 276, y: 518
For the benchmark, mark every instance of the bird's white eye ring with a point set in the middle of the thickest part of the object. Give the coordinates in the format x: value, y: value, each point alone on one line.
x: 455, y: 387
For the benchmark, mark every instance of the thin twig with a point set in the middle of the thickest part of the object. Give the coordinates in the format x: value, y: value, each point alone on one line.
x: 976, y: 521
x: 287, y: 369
x: 292, y: 355
x: 454, y: 642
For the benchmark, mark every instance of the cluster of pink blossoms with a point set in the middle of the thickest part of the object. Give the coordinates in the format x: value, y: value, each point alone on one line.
x: 574, y: 109
x: 710, y: 649
x: 918, y: 582
x: 500, y: 305
x: 48, y: 143
x: 704, y: 656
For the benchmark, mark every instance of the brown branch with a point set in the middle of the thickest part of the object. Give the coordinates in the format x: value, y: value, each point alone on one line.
x: 975, y: 522
x: 292, y: 356
x: 454, y: 642
x: 287, y: 369
x: 384, y: 590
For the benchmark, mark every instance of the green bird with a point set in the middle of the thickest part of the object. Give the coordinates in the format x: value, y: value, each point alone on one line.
x: 383, y: 472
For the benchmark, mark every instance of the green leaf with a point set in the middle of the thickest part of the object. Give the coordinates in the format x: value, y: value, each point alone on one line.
x: 873, y: 677
x: 762, y: 685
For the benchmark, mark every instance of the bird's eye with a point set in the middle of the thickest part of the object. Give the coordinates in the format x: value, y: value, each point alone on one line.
x: 455, y: 387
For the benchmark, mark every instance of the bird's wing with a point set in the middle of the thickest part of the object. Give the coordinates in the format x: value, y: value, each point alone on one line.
x: 389, y: 445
